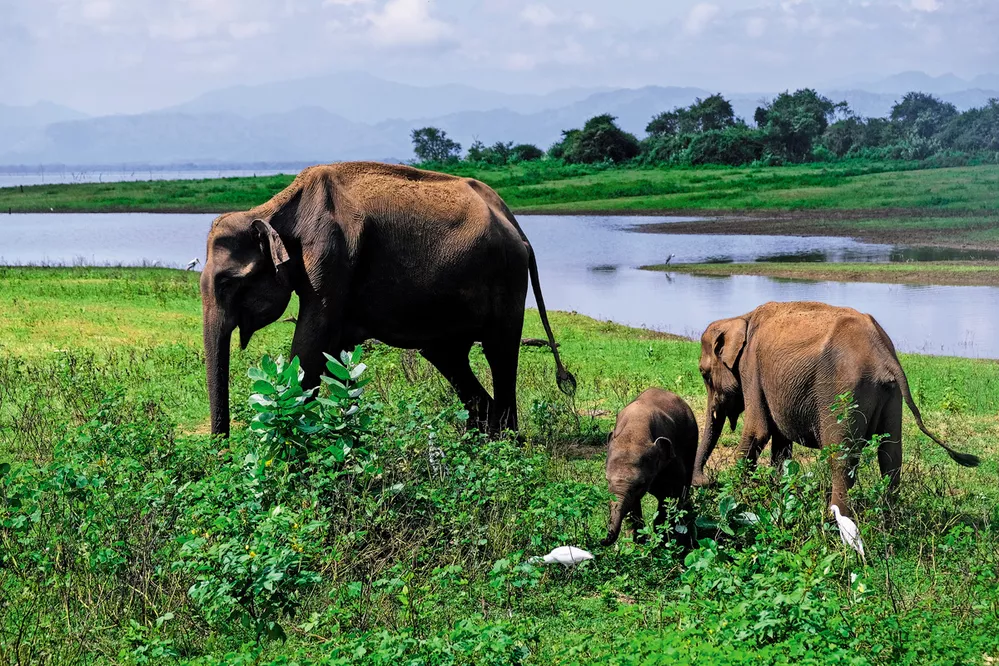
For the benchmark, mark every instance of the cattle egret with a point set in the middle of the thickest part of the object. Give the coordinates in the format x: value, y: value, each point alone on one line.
x: 567, y: 556
x: 849, y: 532
x: 194, y: 262
x: 669, y: 259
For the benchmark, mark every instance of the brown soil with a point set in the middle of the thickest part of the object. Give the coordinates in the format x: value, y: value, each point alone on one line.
x: 811, y: 222
x: 812, y: 272
x: 835, y: 223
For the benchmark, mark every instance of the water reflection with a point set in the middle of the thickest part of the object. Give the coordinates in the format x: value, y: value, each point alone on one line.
x: 589, y: 264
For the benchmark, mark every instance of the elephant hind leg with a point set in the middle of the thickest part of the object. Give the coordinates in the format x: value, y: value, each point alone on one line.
x: 452, y: 362
x: 780, y: 449
x: 890, y: 449
x: 502, y: 351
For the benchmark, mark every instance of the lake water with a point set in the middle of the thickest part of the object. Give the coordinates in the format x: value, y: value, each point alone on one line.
x: 590, y: 265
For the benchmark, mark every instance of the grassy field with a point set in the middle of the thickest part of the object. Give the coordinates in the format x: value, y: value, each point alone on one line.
x: 128, y: 536
x: 928, y: 272
x: 881, y: 202
x: 543, y: 187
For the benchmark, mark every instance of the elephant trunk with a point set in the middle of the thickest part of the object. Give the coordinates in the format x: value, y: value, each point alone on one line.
x: 617, y: 512
x: 217, y: 335
x: 713, y: 424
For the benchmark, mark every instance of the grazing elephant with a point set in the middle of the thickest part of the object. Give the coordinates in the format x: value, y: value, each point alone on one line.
x: 650, y: 450
x: 785, y: 365
x: 417, y: 259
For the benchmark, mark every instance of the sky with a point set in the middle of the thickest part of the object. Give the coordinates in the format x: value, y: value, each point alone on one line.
x: 128, y: 56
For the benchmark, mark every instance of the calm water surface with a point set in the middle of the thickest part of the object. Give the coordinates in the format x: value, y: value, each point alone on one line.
x: 590, y: 265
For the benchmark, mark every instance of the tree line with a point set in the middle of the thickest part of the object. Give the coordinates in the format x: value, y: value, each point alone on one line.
x: 797, y: 127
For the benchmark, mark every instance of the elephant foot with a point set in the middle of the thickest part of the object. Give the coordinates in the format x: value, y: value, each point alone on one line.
x: 608, y: 541
x: 700, y: 480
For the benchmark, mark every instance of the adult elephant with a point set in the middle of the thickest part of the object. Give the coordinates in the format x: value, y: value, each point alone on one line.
x: 786, y: 365
x: 417, y: 259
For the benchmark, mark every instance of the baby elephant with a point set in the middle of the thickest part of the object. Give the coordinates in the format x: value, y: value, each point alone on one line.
x: 651, y: 450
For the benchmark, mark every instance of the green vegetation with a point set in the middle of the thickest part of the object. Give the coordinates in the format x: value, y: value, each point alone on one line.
x: 545, y: 186
x: 371, y: 528
x: 941, y: 273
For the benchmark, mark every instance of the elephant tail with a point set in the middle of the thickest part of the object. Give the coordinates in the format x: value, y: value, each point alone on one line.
x: 566, y: 382
x: 963, y: 459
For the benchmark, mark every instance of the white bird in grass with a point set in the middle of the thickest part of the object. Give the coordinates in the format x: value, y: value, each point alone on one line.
x: 567, y: 556
x: 849, y: 532
x: 194, y: 262
x: 669, y: 259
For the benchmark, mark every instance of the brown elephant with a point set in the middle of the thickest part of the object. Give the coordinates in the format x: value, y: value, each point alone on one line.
x: 650, y: 450
x: 786, y: 365
x: 416, y: 259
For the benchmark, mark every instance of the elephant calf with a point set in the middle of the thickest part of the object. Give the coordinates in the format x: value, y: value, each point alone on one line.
x: 786, y: 365
x: 650, y: 450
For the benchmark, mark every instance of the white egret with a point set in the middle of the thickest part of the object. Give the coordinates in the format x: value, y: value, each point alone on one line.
x: 194, y: 262
x: 849, y: 532
x: 669, y: 259
x: 567, y: 556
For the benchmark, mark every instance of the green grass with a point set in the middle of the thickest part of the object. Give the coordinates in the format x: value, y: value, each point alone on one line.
x: 103, y: 414
x: 940, y: 273
x: 551, y: 188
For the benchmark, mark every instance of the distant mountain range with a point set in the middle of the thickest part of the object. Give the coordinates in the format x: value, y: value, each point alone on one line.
x: 358, y: 116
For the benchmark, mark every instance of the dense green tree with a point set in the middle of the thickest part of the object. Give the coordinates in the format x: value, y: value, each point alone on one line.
x: 431, y: 144
x: 599, y: 140
x: 712, y: 113
x: 526, y: 152
x: 793, y: 122
x: 733, y: 146
x: 974, y: 130
x: 853, y: 133
x: 922, y: 115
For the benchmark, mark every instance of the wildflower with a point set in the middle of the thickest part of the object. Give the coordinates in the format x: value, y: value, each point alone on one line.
x: 252, y: 554
x: 269, y: 462
x: 861, y: 588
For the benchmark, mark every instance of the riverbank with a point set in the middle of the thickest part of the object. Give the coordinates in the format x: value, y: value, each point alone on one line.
x: 984, y: 274
x: 109, y: 480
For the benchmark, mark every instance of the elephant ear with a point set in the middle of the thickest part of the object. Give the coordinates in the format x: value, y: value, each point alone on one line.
x: 270, y: 240
x: 730, y: 341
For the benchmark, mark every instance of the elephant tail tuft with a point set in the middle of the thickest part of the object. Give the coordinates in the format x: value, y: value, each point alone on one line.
x: 566, y: 380
x: 963, y: 459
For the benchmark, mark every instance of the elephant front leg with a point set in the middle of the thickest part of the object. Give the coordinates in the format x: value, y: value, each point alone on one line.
x: 317, y: 332
x: 755, y: 436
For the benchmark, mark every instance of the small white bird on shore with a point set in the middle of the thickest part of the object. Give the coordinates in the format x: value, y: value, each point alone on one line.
x: 567, y: 556
x: 669, y: 259
x: 194, y: 262
x: 849, y: 533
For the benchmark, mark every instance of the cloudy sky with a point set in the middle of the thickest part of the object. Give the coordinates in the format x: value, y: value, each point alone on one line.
x: 104, y: 56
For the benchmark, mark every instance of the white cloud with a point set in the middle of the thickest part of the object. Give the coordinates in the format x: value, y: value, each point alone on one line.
x: 699, y: 17
x: 540, y: 16
x: 97, y: 10
x: 327, y: 3
x: 249, y: 29
x: 407, y: 23
x: 925, y: 5
x: 755, y: 27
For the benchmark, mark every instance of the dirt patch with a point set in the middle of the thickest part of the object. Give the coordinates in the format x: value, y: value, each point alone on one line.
x: 959, y: 276
x: 837, y: 223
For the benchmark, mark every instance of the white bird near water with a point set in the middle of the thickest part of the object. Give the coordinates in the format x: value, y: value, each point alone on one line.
x: 567, y: 556
x: 849, y: 532
x: 669, y: 259
x: 194, y: 262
